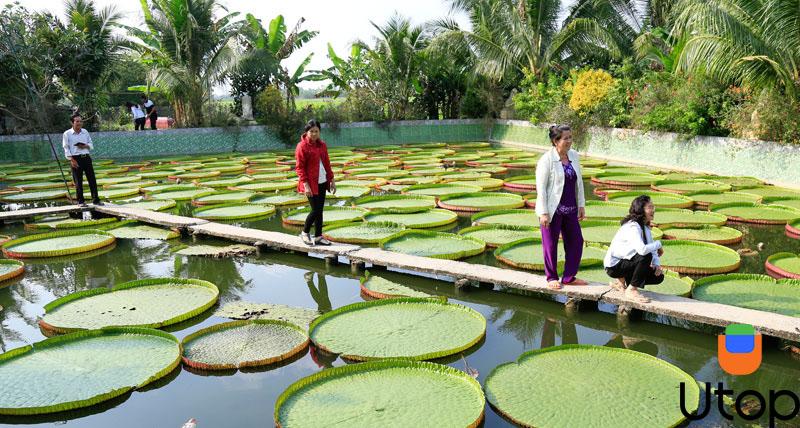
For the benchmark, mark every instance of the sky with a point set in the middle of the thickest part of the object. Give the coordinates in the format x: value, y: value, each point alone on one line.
x: 339, y: 22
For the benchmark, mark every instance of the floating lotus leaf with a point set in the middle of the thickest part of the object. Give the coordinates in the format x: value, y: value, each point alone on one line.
x: 371, y: 182
x: 635, y: 170
x: 118, y: 193
x: 722, y: 235
x: 469, y: 145
x: 156, y: 303
x: 528, y: 254
x: 786, y: 201
x: 267, y: 186
x: 599, y: 210
x: 284, y: 175
x: 414, y: 180
x: 40, y: 176
x: 700, y: 258
x: 556, y: 378
x: 228, y: 169
x: 463, y: 176
x: 589, y: 172
x: 116, y: 180
x: 39, y: 185
x: 224, y: 198
x: 750, y: 291
x: 673, y: 283
x: 441, y: 189
x: 428, y: 170
x: 793, y: 229
x: 138, y: 185
x: 593, y: 163
x: 433, y: 244
x: 386, y: 175
x: 29, y: 196
x: 131, y: 229
x: 756, y: 213
x: 420, y: 220
x: 603, y: 231
x: 216, y: 251
x: 660, y: 199
x: 525, y: 218
x: 481, y: 201
x: 154, y: 174
x: 767, y: 191
x: 280, y: 199
x: 491, y: 169
x: 233, y: 211
x: 237, y: 344
x: 413, y: 328
x: 783, y: 265
x: 160, y: 205
x: 267, y: 311
x: 688, y: 218
x: 498, y: 234
x: 625, y: 179
x: 737, y: 182
x: 393, y: 187
x: 194, y: 175
x: 709, y: 197
x: 690, y: 186
x: 525, y: 183
x: 83, y: 369
x: 520, y: 164
x: 10, y: 269
x: 396, y: 203
x: 182, y: 195
x: 482, y: 183
x: 362, y: 169
x: 60, y: 243
x: 331, y: 215
x: 170, y: 188
x: 361, y: 232
x: 530, y: 200
x: 347, y: 192
x: 69, y: 223
x: 383, y: 393
x: 381, y: 288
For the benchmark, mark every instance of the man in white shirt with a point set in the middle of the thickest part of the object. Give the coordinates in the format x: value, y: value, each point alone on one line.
x: 77, y: 143
x: 151, y: 112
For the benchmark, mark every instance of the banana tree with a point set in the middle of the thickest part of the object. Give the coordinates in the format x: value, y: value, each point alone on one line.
x: 345, y: 74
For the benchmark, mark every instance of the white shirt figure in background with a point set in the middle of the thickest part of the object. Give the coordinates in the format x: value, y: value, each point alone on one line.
x: 150, y: 111
x: 77, y: 144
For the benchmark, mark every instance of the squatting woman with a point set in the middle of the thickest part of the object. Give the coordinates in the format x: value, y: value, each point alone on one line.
x: 560, y: 205
x: 314, y: 178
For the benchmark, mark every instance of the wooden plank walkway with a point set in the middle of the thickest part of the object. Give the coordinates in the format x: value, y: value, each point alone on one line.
x: 33, y: 212
x: 768, y: 323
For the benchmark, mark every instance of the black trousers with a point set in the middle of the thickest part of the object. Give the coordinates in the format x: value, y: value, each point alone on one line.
x: 317, y: 203
x: 84, y: 166
x: 138, y: 124
x: 153, y: 119
x: 636, y: 271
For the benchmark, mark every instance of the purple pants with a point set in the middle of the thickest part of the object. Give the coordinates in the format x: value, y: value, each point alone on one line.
x: 570, y: 229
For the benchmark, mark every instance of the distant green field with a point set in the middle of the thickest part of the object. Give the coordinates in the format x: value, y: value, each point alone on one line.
x: 317, y: 101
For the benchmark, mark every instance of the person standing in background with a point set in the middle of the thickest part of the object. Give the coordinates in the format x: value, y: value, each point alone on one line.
x: 77, y: 143
x: 150, y: 111
x: 138, y: 115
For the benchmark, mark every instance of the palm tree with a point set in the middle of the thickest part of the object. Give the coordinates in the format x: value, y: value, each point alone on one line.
x: 190, y: 49
x: 754, y: 43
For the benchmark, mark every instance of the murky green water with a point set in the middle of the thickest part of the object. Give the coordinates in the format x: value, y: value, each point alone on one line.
x: 515, y: 324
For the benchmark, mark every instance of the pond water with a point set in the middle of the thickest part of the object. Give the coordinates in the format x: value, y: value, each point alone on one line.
x: 515, y: 324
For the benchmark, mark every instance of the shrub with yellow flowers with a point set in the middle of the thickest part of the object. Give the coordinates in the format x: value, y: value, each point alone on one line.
x: 590, y: 89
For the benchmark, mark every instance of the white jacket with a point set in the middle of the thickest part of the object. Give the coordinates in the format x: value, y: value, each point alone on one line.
x: 628, y: 242
x: 550, y: 181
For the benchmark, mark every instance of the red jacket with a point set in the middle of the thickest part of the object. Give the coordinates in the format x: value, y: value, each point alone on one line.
x: 307, y: 156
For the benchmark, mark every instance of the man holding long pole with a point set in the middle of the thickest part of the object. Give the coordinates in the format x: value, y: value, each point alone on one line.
x: 77, y: 143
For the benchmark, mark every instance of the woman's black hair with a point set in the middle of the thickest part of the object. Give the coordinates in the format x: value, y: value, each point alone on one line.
x: 556, y: 131
x: 636, y: 211
x: 129, y: 104
x: 313, y: 123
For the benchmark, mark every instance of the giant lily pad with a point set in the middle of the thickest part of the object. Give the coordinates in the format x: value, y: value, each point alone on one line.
x: 784, y: 265
x: 156, y: 302
x: 687, y: 218
x: 603, y: 231
x: 722, y: 235
x: 756, y: 213
x: 498, y: 234
x: 750, y: 291
x: 528, y: 254
x: 361, y: 232
x: 786, y: 201
x: 396, y: 203
x: 481, y: 201
x: 599, y: 210
x: 10, y: 269
x: 237, y: 344
x: 433, y: 244
x: 440, y: 189
x: 60, y: 243
x: 737, y: 182
x: 709, y: 197
x: 69, y: 223
x: 793, y: 229
x: 268, y: 311
x: 152, y: 205
x: 689, y: 186
x: 383, y: 393
x: 331, y: 215
x: 660, y: 199
x: 483, y: 183
x: 118, y: 193
x: 233, y: 211
x: 413, y: 328
x: 280, y: 199
x: 523, y: 218
x: 83, y: 369
x: 229, y: 197
x: 381, y: 288
x: 266, y: 186
x: 556, y: 378
x: 420, y: 220
x: 41, y: 195
x: 181, y: 195
x: 673, y: 283
x: 522, y: 183
x: 216, y: 250
x: 131, y: 229
x: 767, y: 191
x: 347, y: 192
x: 701, y: 258
x: 616, y: 178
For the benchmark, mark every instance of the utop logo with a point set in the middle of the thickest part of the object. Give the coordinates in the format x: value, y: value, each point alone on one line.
x: 739, y: 349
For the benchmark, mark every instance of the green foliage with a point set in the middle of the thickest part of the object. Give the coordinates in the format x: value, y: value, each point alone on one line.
x: 537, y: 98
x: 590, y: 89
x: 764, y: 114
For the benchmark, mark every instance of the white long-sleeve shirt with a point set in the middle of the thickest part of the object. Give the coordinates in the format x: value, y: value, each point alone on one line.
x: 69, y: 140
x: 628, y: 242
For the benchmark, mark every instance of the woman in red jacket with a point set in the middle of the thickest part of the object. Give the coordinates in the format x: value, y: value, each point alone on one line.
x: 315, y: 177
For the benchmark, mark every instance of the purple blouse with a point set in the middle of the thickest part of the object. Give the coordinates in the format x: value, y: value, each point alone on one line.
x: 569, y: 201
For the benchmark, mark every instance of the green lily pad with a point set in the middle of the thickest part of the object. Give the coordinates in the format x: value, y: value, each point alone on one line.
x: 737, y: 182
x: 267, y: 311
x: 689, y: 186
x: 224, y: 182
x: 216, y: 250
x: 483, y: 183
x: 383, y: 393
x: 599, y: 210
x: 267, y: 186
x: 118, y: 193
x: 673, y: 283
x: 420, y: 220
x: 229, y: 197
x: 700, y: 258
x: 750, y: 291
x: 687, y: 218
x: 433, y: 244
x: 660, y: 199
x: 793, y: 229
x: 784, y: 265
x: 331, y: 215
x: 192, y: 175
x: 481, y: 201
x: 181, y: 195
x: 396, y: 203
x: 786, y: 201
x: 152, y: 205
x: 411, y: 179
x: 756, y: 213
x: 39, y: 185
x: 381, y: 288
x: 525, y: 183
x: 413, y: 328
x: 603, y: 231
x: 82, y: 369
x: 29, y: 196
x: 615, y: 178
x: 556, y: 378
x: 156, y: 303
x: 704, y: 199
x: 40, y: 176
x: 55, y: 244
x: 361, y: 232
x: 498, y: 234
x: 523, y: 218
x: 528, y: 254
x: 441, y: 189
x: 347, y: 192
x: 131, y: 229
x: 280, y: 199
x: 10, y: 269
x: 69, y: 223
x: 767, y: 191
x: 368, y: 182
x: 233, y: 211
x: 238, y: 344
x: 722, y: 235
x: 171, y: 188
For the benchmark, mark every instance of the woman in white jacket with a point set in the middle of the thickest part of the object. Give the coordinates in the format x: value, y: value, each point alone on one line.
x: 560, y: 205
x: 633, y: 257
